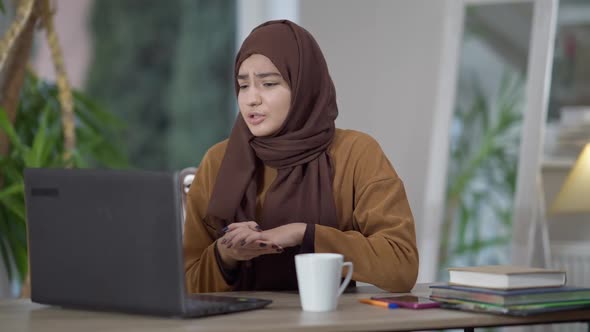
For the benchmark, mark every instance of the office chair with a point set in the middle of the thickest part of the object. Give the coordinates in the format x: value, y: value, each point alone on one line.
x: 185, y: 178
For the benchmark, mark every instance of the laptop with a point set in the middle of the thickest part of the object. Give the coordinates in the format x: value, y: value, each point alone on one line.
x: 112, y: 240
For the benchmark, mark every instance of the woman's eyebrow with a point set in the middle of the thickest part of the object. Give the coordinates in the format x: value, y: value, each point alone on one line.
x: 264, y: 75
x: 259, y: 75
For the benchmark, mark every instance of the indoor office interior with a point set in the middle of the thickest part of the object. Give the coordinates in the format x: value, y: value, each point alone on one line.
x: 482, y: 107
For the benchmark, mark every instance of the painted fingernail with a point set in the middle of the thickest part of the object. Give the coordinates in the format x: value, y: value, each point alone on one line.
x: 225, y: 229
x: 274, y: 246
x: 258, y: 228
x: 262, y: 245
x: 223, y: 241
x: 243, y: 243
x: 229, y: 245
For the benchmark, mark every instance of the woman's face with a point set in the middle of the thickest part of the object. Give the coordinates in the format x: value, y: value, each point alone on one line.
x: 264, y: 97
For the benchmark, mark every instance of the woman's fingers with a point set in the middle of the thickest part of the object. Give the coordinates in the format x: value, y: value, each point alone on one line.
x: 250, y: 238
x: 252, y: 225
x: 226, y: 239
x: 244, y: 241
x: 229, y: 238
x: 238, y: 236
x: 246, y: 236
x: 243, y: 254
x: 273, y: 247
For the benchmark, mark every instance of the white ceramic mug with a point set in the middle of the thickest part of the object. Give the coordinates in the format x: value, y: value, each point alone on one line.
x: 318, y: 278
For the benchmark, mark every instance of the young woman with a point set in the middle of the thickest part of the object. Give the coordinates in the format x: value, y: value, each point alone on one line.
x: 287, y: 181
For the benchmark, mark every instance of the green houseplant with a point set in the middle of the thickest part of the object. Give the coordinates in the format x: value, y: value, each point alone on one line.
x: 41, y: 125
x: 482, y: 173
x: 36, y: 140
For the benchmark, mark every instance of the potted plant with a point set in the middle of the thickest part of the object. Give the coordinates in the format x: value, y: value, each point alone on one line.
x: 42, y: 125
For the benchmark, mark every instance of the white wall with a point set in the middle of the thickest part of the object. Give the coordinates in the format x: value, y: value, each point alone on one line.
x: 384, y: 57
x: 252, y: 13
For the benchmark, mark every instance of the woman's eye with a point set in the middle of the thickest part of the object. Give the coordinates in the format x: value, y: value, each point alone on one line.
x: 269, y: 84
x: 243, y: 86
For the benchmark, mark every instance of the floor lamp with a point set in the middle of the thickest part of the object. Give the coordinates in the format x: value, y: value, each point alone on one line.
x: 574, y: 196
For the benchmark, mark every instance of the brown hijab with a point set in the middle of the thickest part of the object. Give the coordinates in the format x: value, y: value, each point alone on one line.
x: 302, y: 190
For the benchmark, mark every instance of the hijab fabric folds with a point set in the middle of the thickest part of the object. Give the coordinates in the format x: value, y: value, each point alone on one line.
x: 302, y: 190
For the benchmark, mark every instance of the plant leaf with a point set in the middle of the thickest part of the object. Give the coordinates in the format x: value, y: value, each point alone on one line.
x: 34, y: 157
x: 6, y: 254
x: 10, y: 132
x: 15, y: 206
x: 15, y: 189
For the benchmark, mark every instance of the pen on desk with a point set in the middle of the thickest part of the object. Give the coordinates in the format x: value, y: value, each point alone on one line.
x: 379, y: 303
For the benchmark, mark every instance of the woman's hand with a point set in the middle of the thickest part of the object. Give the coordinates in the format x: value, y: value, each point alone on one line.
x: 285, y: 236
x: 233, y: 246
x: 248, y: 235
x: 245, y: 240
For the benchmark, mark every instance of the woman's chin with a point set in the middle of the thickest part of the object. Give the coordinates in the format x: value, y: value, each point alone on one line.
x: 261, y: 131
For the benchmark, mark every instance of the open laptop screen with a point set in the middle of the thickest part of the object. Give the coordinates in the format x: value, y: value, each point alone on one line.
x: 105, y: 239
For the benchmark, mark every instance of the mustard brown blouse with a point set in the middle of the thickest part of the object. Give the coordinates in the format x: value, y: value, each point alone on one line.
x: 375, y: 224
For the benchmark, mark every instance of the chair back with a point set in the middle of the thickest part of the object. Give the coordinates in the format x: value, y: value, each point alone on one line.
x: 185, y: 178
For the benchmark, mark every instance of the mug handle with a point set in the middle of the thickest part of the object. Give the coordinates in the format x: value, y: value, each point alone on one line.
x: 347, y: 279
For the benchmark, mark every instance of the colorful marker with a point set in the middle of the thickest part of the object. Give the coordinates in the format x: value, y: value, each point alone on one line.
x: 379, y: 303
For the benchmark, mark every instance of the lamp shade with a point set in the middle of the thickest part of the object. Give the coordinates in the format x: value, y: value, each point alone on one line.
x: 574, y: 195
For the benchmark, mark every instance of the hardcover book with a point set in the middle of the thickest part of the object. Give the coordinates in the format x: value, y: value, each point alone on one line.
x: 506, y: 277
x: 517, y: 310
x: 511, y: 297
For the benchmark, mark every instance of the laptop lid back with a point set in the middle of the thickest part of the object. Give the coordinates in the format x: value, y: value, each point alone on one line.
x: 105, y: 239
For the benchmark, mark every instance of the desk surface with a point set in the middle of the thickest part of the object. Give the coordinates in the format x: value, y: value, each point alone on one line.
x: 284, y: 314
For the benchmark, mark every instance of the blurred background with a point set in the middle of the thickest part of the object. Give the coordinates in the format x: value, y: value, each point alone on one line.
x: 153, y: 89
x: 164, y: 68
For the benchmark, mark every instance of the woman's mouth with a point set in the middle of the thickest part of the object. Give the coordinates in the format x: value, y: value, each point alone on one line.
x: 255, y: 118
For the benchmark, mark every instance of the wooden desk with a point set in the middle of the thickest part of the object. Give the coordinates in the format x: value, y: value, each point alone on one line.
x: 283, y: 315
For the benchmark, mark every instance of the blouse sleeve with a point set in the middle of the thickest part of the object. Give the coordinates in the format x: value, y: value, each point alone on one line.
x: 382, y: 244
x: 203, y: 273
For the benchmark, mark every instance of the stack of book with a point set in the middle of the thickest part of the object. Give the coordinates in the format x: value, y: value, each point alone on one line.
x: 510, y: 290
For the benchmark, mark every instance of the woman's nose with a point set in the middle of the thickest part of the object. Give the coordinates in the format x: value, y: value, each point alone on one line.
x: 253, y: 97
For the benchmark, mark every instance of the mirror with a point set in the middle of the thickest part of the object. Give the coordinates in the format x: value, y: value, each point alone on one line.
x: 491, y: 130
x: 485, y: 135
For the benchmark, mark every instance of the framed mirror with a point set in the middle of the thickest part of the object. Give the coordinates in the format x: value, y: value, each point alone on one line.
x: 488, y: 135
